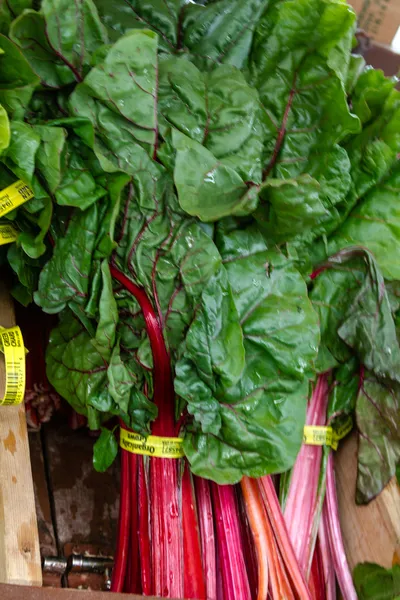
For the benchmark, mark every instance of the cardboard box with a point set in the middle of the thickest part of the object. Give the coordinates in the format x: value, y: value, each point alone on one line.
x: 380, y: 19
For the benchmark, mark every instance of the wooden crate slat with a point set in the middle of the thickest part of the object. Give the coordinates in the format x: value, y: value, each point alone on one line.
x: 371, y: 533
x: 19, y: 541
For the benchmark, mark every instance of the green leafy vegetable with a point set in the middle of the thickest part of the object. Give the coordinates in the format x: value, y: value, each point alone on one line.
x: 373, y: 582
x: 105, y: 450
x: 238, y: 164
x: 379, y: 444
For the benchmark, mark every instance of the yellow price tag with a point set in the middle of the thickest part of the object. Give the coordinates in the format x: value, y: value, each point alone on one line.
x: 8, y: 233
x: 318, y: 435
x: 13, y: 196
x: 1, y: 343
x: 14, y: 355
x: 152, y: 445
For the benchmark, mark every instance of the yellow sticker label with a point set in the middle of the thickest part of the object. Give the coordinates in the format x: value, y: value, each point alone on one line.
x: 152, y: 445
x: 14, y: 356
x: 318, y: 435
x: 8, y: 233
x: 13, y: 196
x: 1, y: 343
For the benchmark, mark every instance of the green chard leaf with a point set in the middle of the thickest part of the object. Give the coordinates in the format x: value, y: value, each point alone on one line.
x: 206, y: 187
x: 355, y: 313
x: 105, y: 450
x: 9, y: 9
x: 118, y: 100
x: 297, y: 68
x: 217, y: 109
x: 5, y: 133
x: 375, y: 224
x: 29, y: 32
x: 358, y: 330
x: 211, y: 33
x: 377, y: 413
x: 255, y: 426
x: 73, y: 32
x: 373, y: 582
x: 65, y: 278
x: 17, y: 79
x: 167, y: 254
x: 75, y: 367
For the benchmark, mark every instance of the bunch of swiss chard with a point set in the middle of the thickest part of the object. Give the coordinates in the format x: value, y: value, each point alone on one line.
x: 215, y: 221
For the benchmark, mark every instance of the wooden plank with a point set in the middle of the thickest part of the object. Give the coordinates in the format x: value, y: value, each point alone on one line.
x: 9, y: 592
x: 371, y: 533
x: 19, y: 540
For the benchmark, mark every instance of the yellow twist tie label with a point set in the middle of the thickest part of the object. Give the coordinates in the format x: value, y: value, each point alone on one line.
x: 8, y: 233
x: 13, y: 196
x: 318, y: 435
x: 152, y: 445
x: 14, y: 356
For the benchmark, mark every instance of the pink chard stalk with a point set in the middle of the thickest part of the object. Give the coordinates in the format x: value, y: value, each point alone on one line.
x: 331, y: 516
x: 305, y: 495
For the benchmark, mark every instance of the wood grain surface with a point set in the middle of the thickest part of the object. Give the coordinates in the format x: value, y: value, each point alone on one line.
x: 371, y: 533
x: 19, y: 541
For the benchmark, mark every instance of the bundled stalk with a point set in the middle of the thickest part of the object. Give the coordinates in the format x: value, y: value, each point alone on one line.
x: 162, y: 491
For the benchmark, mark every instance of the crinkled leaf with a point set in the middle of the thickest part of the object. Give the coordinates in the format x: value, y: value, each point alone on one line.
x: 108, y: 313
x: 33, y: 242
x: 118, y: 99
x: 27, y: 271
x: 355, y: 69
x: 355, y: 313
x: 125, y: 377
x: 375, y: 224
x: 256, y: 424
x: 343, y: 394
x: 212, y: 32
x: 21, y: 153
x: 73, y: 31
x: 64, y: 279
x: 120, y: 380
x: 17, y: 79
x: 167, y: 254
x: 214, y: 342
x: 206, y: 187
x: 29, y: 32
x: 374, y: 150
x: 214, y: 353
x: 378, y: 422
x: 49, y: 154
x: 218, y: 109
x: 75, y: 368
x: 305, y: 207
x: 297, y: 69
x: 78, y: 186
x: 221, y: 32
